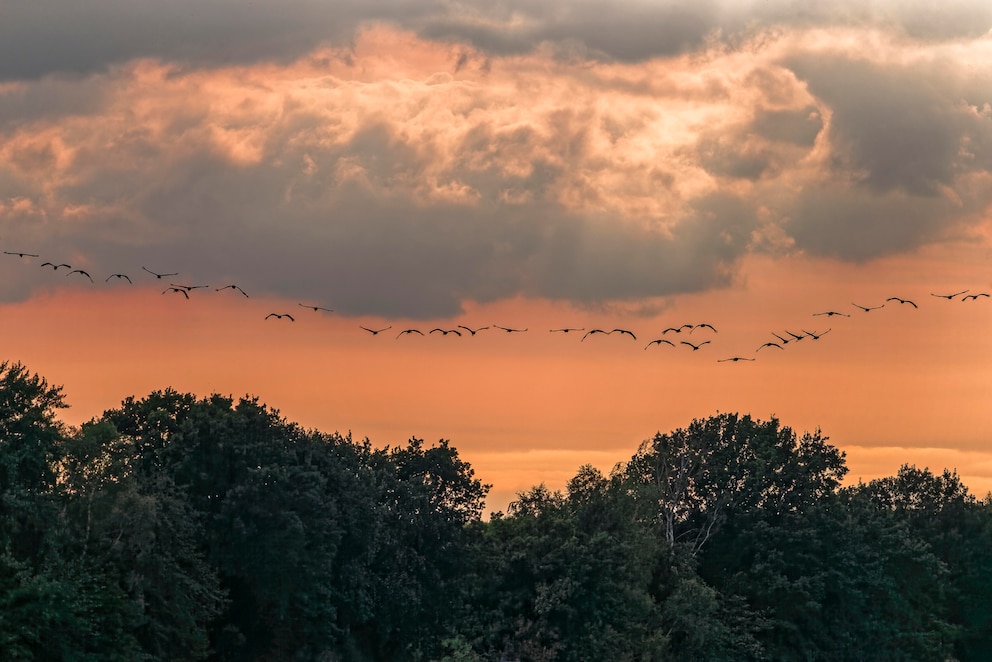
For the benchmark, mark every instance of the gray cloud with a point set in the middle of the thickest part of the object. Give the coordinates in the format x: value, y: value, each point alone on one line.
x: 59, y: 36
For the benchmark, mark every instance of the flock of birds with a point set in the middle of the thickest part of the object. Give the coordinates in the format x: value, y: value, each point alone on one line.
x: 780, y: 342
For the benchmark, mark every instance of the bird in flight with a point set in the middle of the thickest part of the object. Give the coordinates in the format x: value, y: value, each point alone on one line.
x: 158, y: 275
x: 316, y: 308
x: 232, y: 287
x: 176, y: 289
x: 815, y: 336
x: 902, y: 301
x: 189, y: 288
x: 974, y: 297
x: 623, y: 331
x: 409, y: 331
x: 735, y: 359
x: 695, y: 347
x: 278, y: 316
x: 56, y: 267
x: 472, y: 331
x: 376, y: 332
x: 118, y: 277
x: 447, y: 331
x: 947, y: 296
x: 794, y: 336
x: 769, y: 344
x: 80, y: 271
x: 677, y: 329
x: 867, y: 308
x: 784, y: 341
x: 831, y: 313
x: 658, y: 342
x: 702, y: 326
x: 566, y: 330
x: 507, y: 329
x: 594, y: 331
x: 18, y: 254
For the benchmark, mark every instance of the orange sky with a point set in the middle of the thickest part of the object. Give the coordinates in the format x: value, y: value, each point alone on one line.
x: 477, y: 169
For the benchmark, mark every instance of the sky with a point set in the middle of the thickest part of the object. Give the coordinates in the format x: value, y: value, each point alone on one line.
x: 535, y: 165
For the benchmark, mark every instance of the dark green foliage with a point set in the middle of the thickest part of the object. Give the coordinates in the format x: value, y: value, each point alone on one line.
x: 177, y: 528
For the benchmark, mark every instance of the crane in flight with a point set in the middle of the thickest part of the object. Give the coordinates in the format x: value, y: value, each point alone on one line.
x: 472, y: 331
x: 376, y: 332
x: 902, y: 301
x: 735, y: 359
x: 279, y: 317
x: 659, y: 342
x: 947, y: 296
x: 159, y: 275
x: 403, y: 333
x: 80, y: 271
x: 118, y: 277
x: 316, y: 308
x: 695, y: 348
x: 867, y: 308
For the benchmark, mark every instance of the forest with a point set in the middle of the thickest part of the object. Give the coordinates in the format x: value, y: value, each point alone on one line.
x: 175, y: 527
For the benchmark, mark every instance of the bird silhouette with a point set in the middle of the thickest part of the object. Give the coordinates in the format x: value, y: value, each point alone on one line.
x: 566, y: 330
x: 769, y: 344
x: 472, y: 331
x: 508, y: 329
x: 974, y: 297
x: 695, y: 347
x: 902, y: 301
x: 677, y: 329
x: 947, y: 296
x: 18, y: 254
x: 735, y: 359
x: 409, y: 331
x: 159, y: 275
x: 702, y: 326
x: 376, y: 332
x: 594, y: 331
x: 316, y: 308
x: 118, y: 277
x: 784, y: 341
x: 80, y: 271
x: 831, y: 313
x: 815, y: 336
x: 278, y: 316
x: 56, y: 267
x: 623, y: 331
x: 794, y: 336
x: 658, y: 342
x: 447, y: 331
x: 176, y: 289
x: 232, y: 287
x: 867, y: 308
x: 189, y: 288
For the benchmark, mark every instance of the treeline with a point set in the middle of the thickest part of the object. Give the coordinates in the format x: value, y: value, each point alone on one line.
x: 177, y: 528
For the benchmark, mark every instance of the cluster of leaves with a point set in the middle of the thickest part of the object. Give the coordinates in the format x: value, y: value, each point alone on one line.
x: 183, y: 528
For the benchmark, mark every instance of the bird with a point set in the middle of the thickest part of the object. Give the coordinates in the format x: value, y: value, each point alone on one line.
x: 232, y: 287
x: 18, y: 254
x: 947, y: 296
x: 815, y: 336
x: 508, y: 330
x: 375, y: 332
x: 974, y: 297
x: 566, y: 330
x: 447, y: 331
x: 867, y: 308
x: 159, y: 275
x: 784, y: 341
x: 700, y: 326
x: 902, y: 301
x: 189, y: 288
x: 769, y: 344
x: 278, y: 316
x: 472, y: 331
x: 623, y: 331
x: 831, y: 313
x: 695, y: 347
x: 794, y: 336
x: 56, y: 267
x: 80, y: 271
x: 118, y: 277
x: 176, y: 289
x: 409, y: 331
x: 658, y: 342
x: 316, y: 308
x: 677, y: 329
x: 594, y: 331
x: 735, y: 359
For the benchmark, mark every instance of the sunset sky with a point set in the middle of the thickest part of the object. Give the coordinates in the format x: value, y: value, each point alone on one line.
x: 536, y: 165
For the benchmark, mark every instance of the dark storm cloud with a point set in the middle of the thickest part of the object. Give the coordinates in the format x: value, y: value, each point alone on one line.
x: 39, y: 37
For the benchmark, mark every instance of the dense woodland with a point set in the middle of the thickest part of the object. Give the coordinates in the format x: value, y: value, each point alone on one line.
x: 177, y: 528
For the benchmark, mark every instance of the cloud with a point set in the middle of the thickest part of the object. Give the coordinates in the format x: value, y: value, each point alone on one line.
x: 44, y: 37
